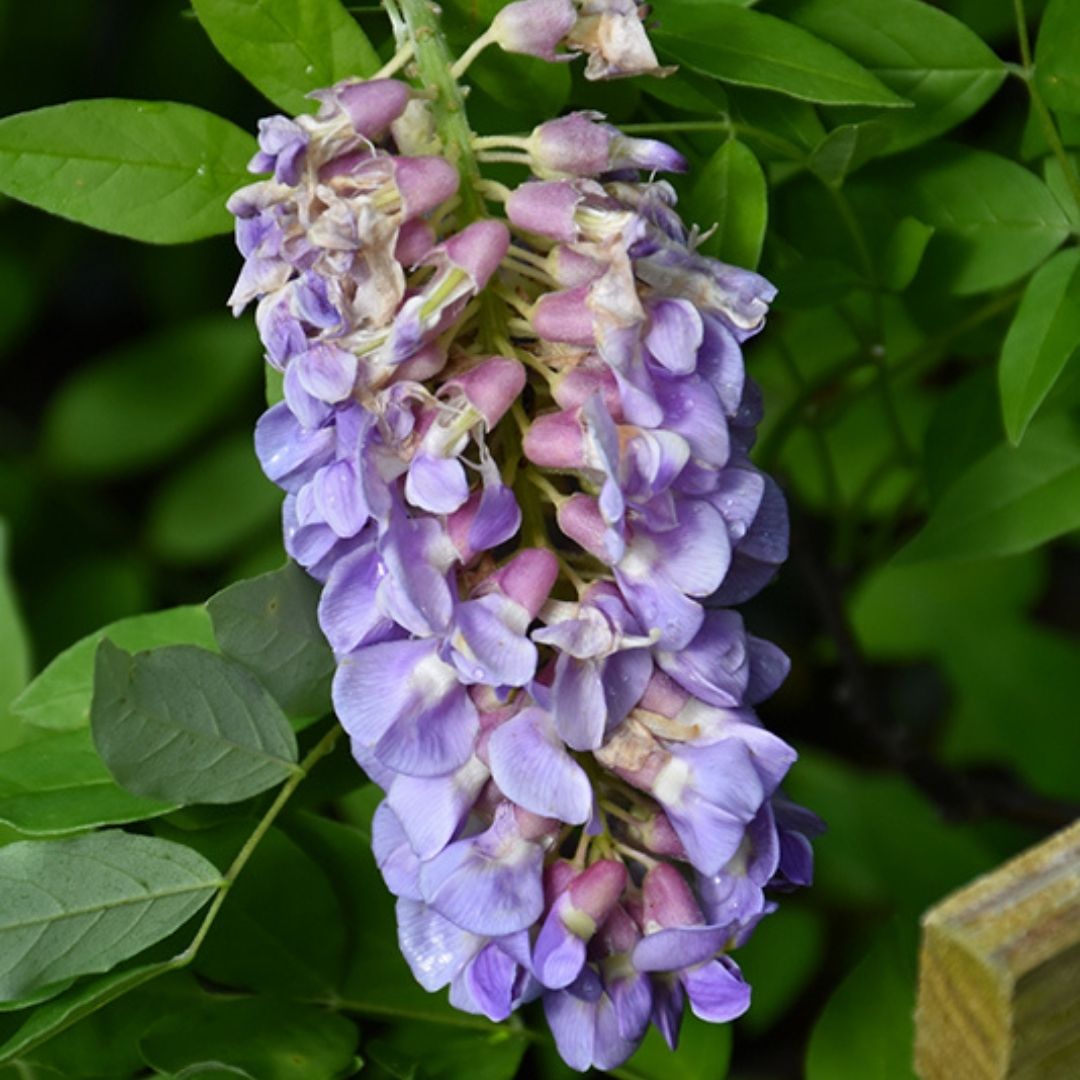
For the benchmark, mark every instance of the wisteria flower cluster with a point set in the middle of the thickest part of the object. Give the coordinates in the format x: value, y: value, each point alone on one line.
x: 515, y: 454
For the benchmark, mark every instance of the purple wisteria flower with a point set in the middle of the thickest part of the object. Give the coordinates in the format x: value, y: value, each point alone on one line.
x: 514, y: 452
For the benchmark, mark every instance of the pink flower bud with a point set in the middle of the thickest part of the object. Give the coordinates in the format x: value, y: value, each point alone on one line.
x: 491, y: 387
x: 556, y: 441
x: 668, y: 899
x: 429, y: 360
x: 545, y: 208
x: 576, y: 385
x: 415, y: 240
x: 371, y: 105
x: 534, y: 27
x: 478, y: 249
x: 573, y: 145
x: 424, y: 183
x: 528, y: 578
x: 570, y: 268
x: 565, y: 316
x: 596, y: 891
x: 580, y: 519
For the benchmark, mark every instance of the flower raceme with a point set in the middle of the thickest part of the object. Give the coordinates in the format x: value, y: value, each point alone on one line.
x: 515, y: 452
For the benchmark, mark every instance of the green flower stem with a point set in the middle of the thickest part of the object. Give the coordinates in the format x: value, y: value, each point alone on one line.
x: 1046, y: 121
x: 435, y: 66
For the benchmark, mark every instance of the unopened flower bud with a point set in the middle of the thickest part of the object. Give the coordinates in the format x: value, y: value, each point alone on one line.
x: 534, y: 27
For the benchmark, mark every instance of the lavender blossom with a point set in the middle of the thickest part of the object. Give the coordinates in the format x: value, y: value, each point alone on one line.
x: 515, y: 454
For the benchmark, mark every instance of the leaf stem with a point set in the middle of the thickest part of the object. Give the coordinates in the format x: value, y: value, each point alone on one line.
x: 314, y: 755
x: 1046, y: 121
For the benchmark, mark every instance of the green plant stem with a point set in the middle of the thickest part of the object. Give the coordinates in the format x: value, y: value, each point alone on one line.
x: 1046, y: 121
x: 435, y: 66
x: 316, y: 754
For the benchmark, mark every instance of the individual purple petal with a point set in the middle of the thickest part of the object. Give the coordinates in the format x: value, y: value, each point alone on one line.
x: 558, y: 955
x: 438, y: 485
x: 434, y: 948
x: 717, y: 991
x: 678, y: 947
x: 339, y: 497
x: 626, y: 674
x: 668, y: 1000
x: 715, y: 666
x: 430, y: 809
x: 675, y: 334
x: 348, y: 615
x: 490, y: 984
x: 489, y: 644
x: 632, y: 998
x: 497, y: 519
x: 578, y: 705
x: 490, y: 883
x: 327, y: 372
x: 400, y: 699
x: 531, y: 766
x: 414, y: 590
x: 288, y: 453
x: 769, y: 667
x: 394, y: 857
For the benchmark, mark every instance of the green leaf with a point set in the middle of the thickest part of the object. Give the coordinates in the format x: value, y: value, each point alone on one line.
x: 748, y: 48
x: 730, y: 192
x: 996, y: 221
x: 704, y: 1054
x: 847, y: 148
x: 150, y: 170
x: 1057, y: 56
x: 137, y: 406
x: 269, y: 1038
x: 80, y: 1001
x: 779, y: 961
x: 920, y: 52
x: 1011, y: 500
x: 903, y: 253
x: 866, y: 1031
x: 59, y: 698
x: 270, y: 625
x: 211, y: 1070
x: 1042, y: 337
x: 212, y: 505
x: 287, y: 48
x: 14, y: 645
x: 58, y: 784
x: 874, y: 822
x: 77, y: 906
x: 427, y: 1053
x: 282, y: 931
x: 185, y: 725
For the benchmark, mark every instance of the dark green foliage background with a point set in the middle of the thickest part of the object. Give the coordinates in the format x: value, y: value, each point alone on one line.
x: 921, y: 394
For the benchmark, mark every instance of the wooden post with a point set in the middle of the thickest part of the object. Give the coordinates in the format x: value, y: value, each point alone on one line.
x: 999, y: 972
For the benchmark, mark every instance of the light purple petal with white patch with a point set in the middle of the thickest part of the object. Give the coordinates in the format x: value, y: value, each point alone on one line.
x: 430, y: 809
x: 327, y: 372
x: 438, y: 485
x: 488, y: 884
x: 531, y: 767
x: 339, y: 497
x: 434, y: 948
x: 487, y: 646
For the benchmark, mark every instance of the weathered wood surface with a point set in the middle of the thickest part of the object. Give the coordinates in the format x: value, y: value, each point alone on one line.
x: 999, y: 972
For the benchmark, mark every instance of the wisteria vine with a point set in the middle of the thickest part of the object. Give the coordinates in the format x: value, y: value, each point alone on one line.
x: 514, y: 443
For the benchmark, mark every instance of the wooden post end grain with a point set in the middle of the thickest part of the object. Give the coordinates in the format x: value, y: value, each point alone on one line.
x: 999, y: 972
